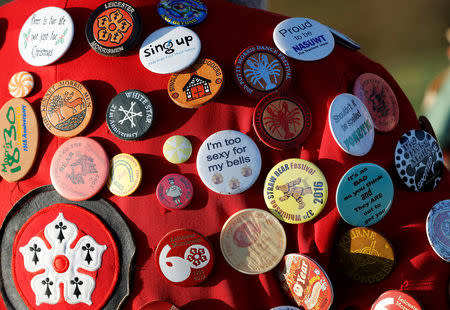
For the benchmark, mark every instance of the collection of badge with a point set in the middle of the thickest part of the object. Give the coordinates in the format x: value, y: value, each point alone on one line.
x: 252, y: 241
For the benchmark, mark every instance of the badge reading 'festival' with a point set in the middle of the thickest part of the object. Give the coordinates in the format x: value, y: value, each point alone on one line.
x: 282, y: 122
x: 19, y: 139
x: 419, y: 161
x: 351, y: 125
x: 66, y: 108
x: 159, y: 305
x: 125, y: 175
x: 228, y: 162
x: 113, y: 28
x: 252, y: 241
x: 174, y: 191
x: 46, y: 36
x: 182, y: 12
x: 64, y: 246
x: 170, y: 49
x: 184, y: 257
x: 379, y: 99
x: 364, y: 194
x: 438, y: 229
x: 197, y: 85
x: 21, y: 84
x: 303, y: 39
x: 295, y: 191
x: 396, y: 300
x: 365, y: 255
x: 305, y: 282
x: 261, y: 69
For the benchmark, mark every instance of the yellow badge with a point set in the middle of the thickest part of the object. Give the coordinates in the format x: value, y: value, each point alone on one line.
x: 177, y: 149
x: 125, y: 175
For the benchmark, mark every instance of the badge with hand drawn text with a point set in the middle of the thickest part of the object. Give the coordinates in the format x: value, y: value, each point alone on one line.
x: 182, y: 12
x: 295, y: 191
x: 66, y: 108
x: 19, y: 140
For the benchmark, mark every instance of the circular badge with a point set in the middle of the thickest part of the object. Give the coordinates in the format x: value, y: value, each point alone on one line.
x: 282, y: 122
x: 79, y: 168
x: 303, y: 39
x: 438, y: 229
x: 228, y: 162
x: 419, y: 161
x: 170, y: 49
x: 113, y: 28
x: 351, y: 125
x: 19, y: 139
x: 129, y: 115
x: 285, y: 308
x: 46, y: 36
x: 344, y: 39
x: 379, y: 99
x: 184, y: 257
x: 174, y: 191
x: 177, y: 149
x: 182, y: 12
x: 252, y: 241
x: 21, y: 84
x: 305, y: 282
x: 396, y: 300
x: 159, y: 305
x: 295, y: 191
x: 197, y: 85
x: 66, y: 108
x: 365, y: 255
x: 261, y: 69
x: 364, y: 194
x: 125, y: 175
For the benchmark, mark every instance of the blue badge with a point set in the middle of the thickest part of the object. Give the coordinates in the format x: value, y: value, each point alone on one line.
x: 364, y: 194
x: 438, y: 229
x: 182, y: 12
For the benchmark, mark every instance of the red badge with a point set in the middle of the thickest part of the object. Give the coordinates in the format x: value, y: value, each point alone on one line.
x: 396, y: 300
x: 174, y: 191
x: 159, y: 305
x: 184, y: 257
x: 65, y: 257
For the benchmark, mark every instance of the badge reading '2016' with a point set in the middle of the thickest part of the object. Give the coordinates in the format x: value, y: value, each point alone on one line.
x: 419, y: 161
x: 228, y: 162
x: 438, y: 229
x: 295, y: 191
x: 46, y: 36
x: 351, y: 125
x: 303, y: 39
x: 182, y: 12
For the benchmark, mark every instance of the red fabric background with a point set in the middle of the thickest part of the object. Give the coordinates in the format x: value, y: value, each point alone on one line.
x: 227, y: 30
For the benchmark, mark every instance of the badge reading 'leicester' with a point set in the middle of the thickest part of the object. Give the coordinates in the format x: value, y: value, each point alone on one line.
x: 303, y: 39
x: 351, y: 125
x: 396, y: 300
x: 419, y: 161
x: 170, y: 49
x: 182, y: 12
x: 295, y: 191
x: 228, y: 162
x: 438, y: 229
x: 364, y: 194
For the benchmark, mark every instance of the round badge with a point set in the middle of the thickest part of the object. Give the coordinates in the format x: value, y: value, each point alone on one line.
x: 125, y: 175
x: 344, y: 39
x: 46, y: 36
x: 351, y: 125
x: 197, y: 85
x: 282, y: 122
x: 295, y: 191
x: 129, y: 115
x: 365, y: 255
x: 261, y: 69
x: 182, y: 12
x: 396, y: 300
x: 113, y: 28
x: 228, y: 162
x: 305, y: 282
x: 303, y: 39
x: 364, y: 194
x: 21, y: 84
x: 379, y: 99
x: 438, y: 229
x: 159, y: 305
x: 19, y: 139
x: 184, y: 257
x: 419, y: 161
x: 79, y: 168
x: 66, y: 108
x: 174, y: 191
x: 252, y: 241
x: 285, y: 308
x: 170, y: 49
x: 177, y: 149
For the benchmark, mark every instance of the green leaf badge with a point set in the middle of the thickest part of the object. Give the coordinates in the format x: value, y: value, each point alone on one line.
x: 26, y: 36
x: 61, y: 38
